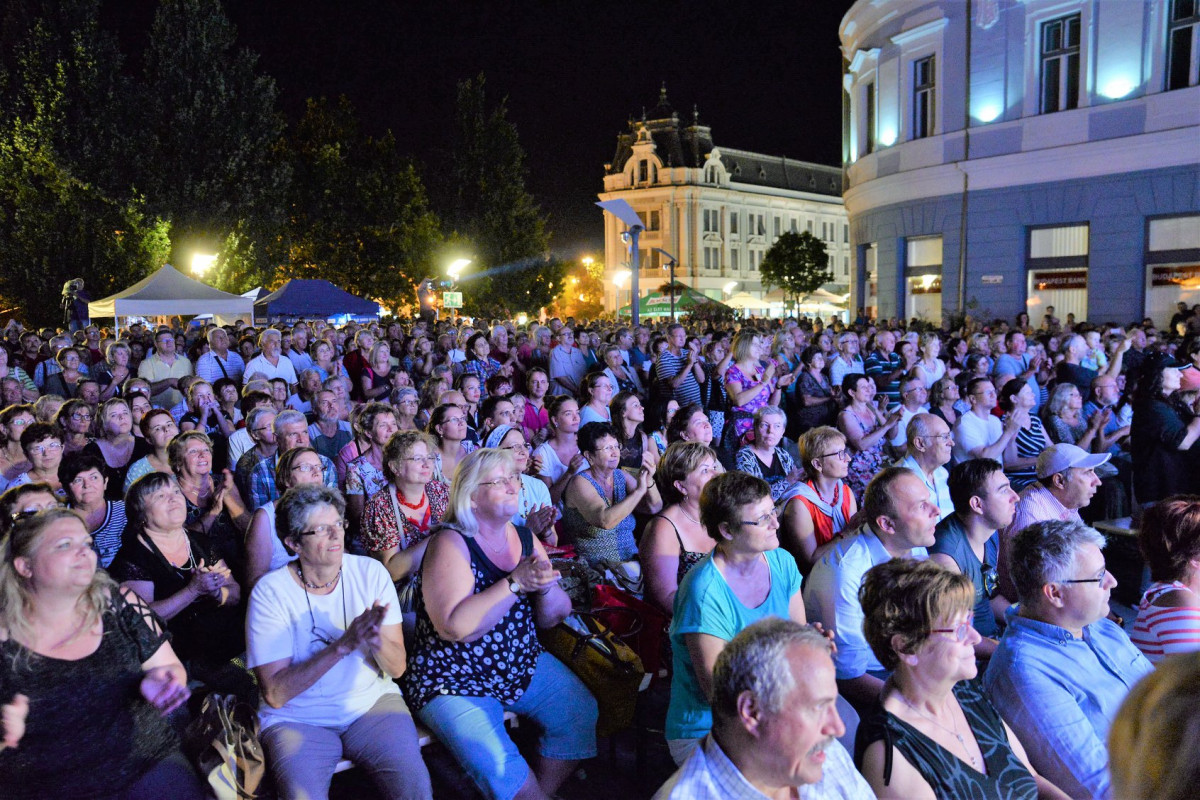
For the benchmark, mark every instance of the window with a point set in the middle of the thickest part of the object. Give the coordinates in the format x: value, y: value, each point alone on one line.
x: 655, y: 220
x: 923, y: 97
x: 778, y: 227
x: 869, y: 102
x: 1060, y: 64
x: 712, y: 257
x: 734, y: 259
x: 1183, y: 44
x: 793, y: 228
x: 845, y: 234
x: 810, y: 226
x: 643, y: 171
x: 733, y: 223
x: 711, y: 220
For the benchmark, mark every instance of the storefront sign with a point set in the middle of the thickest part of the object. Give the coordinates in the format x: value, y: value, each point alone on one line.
x: 1057, y: 281
x: 993, y: 280
x: 1177, y: 275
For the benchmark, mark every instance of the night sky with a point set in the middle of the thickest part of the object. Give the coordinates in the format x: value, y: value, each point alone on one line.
x: 765, y: 75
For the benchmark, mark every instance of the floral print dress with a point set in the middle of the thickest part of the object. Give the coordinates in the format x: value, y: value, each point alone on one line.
x: 864, y: 463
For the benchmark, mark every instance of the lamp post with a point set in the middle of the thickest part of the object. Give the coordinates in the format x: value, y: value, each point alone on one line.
x: 624, y: 212
x: 619, y: 281
x: 671, y: 261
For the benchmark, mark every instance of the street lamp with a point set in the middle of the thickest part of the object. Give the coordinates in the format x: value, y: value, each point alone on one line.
x: 456, y: 267
x: 670, y: 266
x: 618, y: 280
x: 203, y: 262
x: 624, y: 212
x: 729, y: 287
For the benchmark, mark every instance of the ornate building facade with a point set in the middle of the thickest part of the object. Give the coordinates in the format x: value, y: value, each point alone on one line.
x: 716, y: 209
x: 1009, y: 155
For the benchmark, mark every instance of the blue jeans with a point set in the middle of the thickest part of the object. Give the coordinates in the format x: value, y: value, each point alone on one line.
x: 472, y: 728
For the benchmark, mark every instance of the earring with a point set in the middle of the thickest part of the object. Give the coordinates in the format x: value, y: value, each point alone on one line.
x: 911, y: 660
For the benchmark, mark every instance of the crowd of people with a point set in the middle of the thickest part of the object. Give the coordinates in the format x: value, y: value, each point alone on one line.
x: 871, y: 540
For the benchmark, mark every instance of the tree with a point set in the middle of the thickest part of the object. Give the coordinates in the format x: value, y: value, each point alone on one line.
x: 65, y: 211
x: 211, y: 162
x: 360, y: 215
x: 798, y: 263
x: 487, y: 203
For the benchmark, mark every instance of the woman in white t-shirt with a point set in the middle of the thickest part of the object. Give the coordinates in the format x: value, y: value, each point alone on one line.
x: 324, y: 637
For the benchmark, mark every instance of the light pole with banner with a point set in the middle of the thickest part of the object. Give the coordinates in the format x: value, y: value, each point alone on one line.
x: 624, y: 212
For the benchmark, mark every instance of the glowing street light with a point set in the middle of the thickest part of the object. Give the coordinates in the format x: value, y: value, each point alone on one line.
x: 456, y: 267
x: 203, y: 262
x: 729, y: 287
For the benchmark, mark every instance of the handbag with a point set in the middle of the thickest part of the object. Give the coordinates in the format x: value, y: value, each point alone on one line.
x: 639, y: 624
x: 608, y: 667
x: 222, y: 743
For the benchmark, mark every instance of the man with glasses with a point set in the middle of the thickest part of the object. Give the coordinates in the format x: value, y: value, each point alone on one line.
x: 898, y: 522
x: 913, y: 400
x: 979, y: 433
x: 968, y: 540
x: 1062, y: 670
x: 291, y: 430
x: 929, y: 445
x: 847, y: 361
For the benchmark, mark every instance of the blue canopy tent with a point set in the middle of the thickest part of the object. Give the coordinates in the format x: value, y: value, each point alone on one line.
x: 314, y: 298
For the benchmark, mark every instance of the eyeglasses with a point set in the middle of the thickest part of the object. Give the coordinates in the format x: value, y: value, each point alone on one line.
x: 20, y: 423
x: 611, y: 448
x: 507, y: 480
x: 42, y: 450
x: 843, y: 454
x: 515, y: 447
x: 307, y: 469
x: 331, y: 531
x: 452, y: 420
x: 26, y: 513
x: 1098, y: 579
x: 80, y: 416
x: 764, y: 520
x: 197, y: 451
x: 960, y: 631
x: 946, y: 437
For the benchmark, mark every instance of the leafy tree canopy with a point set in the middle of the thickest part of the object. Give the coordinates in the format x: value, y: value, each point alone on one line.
x: 798, y: 263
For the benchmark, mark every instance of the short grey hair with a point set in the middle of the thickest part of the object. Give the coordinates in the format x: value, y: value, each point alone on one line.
x: 756, y: 661
x: 295, y: 508
x: 919, y: 427
x: 1045, y: 552
x: 267, y: 334
x: 288, y: 416
x: 768, y: 411
x: 255, y: 416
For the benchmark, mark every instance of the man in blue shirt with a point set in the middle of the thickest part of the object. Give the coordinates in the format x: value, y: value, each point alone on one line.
x: 899, y: 522
x: 1062, y: 669
x: 883, y: 366
x: 968, y: 542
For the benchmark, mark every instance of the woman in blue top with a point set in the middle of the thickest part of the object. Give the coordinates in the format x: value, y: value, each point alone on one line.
x: 747, y: 577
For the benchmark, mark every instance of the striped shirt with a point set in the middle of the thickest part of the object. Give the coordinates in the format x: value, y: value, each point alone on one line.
x: 1161, y: 631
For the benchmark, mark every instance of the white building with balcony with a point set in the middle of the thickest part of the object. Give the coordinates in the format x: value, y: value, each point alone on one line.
x: 1009, y: 155
x: 716, y: 209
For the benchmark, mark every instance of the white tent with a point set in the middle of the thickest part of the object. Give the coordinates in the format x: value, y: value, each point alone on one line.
x: 169, y: 292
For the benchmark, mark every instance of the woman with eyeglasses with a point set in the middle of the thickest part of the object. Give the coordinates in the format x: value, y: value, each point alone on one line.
x: 186, y: 580
x: 158, y: 429
x: 595, y: 395
x: 763, y: 457
x: 42, y: 445
x: 24, y: 501
x: 74, y: 419
x: 815, y: 510
x: 599, y: 503
x: 534, y: 509
x: 448, y: 426
x: 13, y: 421
x: 484, y: 588
x: 674, y: 540
x: 324, y: 638
x: 934, y: 733
x: 745, y: 578
x: 87, y: 675
x: 398, y: 519
x: 300, y: 466
x: 365, y: 475
x: 405, y: 403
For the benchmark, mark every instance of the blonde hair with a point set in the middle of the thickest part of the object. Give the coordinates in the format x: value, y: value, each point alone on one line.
x: 906, y: 598
x: 16, y: 595
x: 812, y: 442
x: 1155, y: 738
x: 742, y: 343
x: 467, y: 477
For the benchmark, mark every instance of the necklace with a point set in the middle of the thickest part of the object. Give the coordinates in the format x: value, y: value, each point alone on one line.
x: 406, y: 504
x: 300, y: 572
x: 692, y: 519
x: 497, y: 549
x: 954, y: 732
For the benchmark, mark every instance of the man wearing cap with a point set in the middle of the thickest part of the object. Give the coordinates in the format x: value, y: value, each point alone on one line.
x: 1067, y: 482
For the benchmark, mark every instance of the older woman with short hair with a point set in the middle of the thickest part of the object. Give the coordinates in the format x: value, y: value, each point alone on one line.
x: 115, y: 444
x: 87, y: 675
x: 484, y: 588
x: 934, y: 732
x: 763, y: 457
x: 599, y: 502
x: 300, y: 466
x: 215, y: 508
x: 399, y: 519
x: 594, y: 397
x: 74, y: 420
x: 84, y: 476
x: 43, y: 447
x: 745, y: 578
x: 813, y: 511
x: 448, y: 427
x: 324, y: 639
x: 1168, y: 619
x: 365, y: 475
x: 691, y: 424
x: 674, y: 540
x: 113, y: 370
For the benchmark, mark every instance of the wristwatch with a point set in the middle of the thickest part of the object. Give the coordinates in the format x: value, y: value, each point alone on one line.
x: 513, y: 586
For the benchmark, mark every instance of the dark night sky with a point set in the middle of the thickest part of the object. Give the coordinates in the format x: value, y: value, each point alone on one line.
x: 765, y: 75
